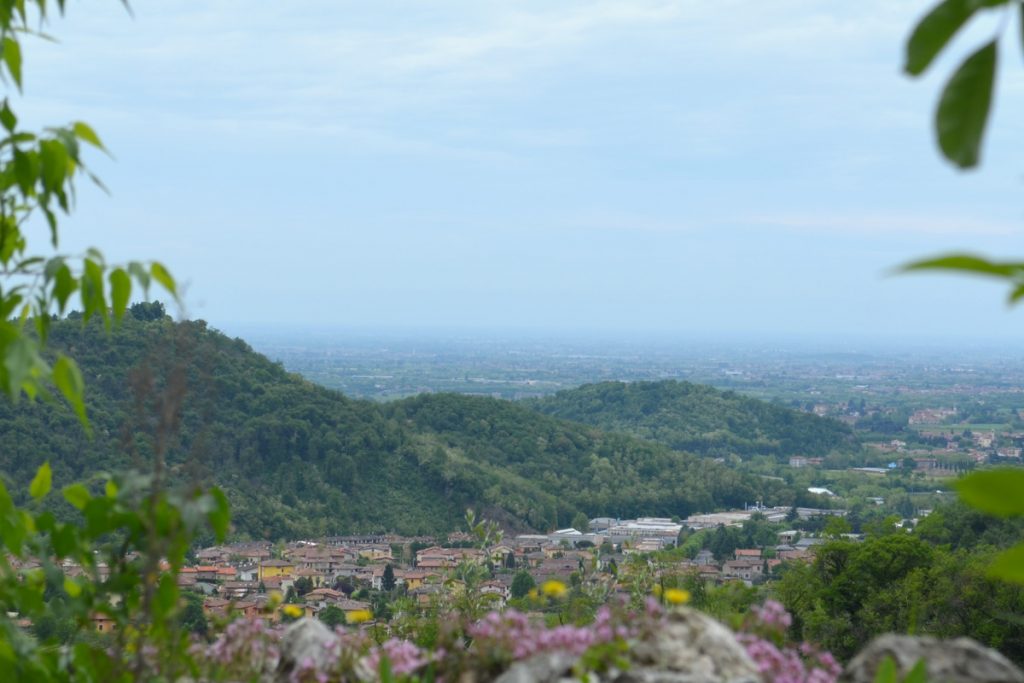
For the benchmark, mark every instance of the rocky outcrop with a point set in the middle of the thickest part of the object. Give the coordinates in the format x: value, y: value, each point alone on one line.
x: 307, y: 643
x: 691, y: 647
x: 948, y: 661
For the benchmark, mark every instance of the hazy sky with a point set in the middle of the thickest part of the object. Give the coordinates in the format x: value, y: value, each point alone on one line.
x: 720, y: 166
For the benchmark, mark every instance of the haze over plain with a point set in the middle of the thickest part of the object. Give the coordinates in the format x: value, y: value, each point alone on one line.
x: 622, y: 165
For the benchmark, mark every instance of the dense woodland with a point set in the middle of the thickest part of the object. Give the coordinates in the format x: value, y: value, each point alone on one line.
x: 700, y: 419
x: 934, y: 581
x: 298, y: 459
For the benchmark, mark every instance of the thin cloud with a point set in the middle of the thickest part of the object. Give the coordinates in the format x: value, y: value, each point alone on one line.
x: 890, y: 224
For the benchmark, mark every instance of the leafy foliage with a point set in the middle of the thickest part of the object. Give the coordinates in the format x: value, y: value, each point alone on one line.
x: 999, y: 492
x: 902, y: 583
x: 37, y: 182
x: 700, y: 419
x: 962, y: 113
x: 106, y: 563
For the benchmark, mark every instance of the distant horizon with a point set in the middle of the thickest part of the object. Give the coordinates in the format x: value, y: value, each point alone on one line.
x: 827, y: 342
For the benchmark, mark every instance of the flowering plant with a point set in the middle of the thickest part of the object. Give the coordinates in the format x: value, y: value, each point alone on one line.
x: 764, y: 635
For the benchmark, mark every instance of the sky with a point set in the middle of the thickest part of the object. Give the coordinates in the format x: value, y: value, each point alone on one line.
x: 633, y: 166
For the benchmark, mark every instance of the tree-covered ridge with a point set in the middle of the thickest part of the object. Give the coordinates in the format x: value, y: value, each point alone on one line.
x: 294, y: 458
x: 297, y: 459
x: 601, y: 473
x: 699, y: 419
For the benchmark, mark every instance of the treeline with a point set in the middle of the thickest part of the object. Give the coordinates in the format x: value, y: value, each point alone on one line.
x: 297, y: 459
x: 700, y: 419
x: 930, y: 582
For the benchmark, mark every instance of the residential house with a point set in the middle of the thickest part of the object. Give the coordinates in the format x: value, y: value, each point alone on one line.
x: 441, y: 558
x: 414, y: 579
x: 275, y: 568
x: 748, y: 570
x: 216, y: 607
x: 216, y: 555
x: 324, y: 596
x: 103, y: 623
x: 237, y: 589
x: 206, y: 573
x: 314, y: 575
x: 376, y: 553
x: 788, y: 536
x: 500, y: 591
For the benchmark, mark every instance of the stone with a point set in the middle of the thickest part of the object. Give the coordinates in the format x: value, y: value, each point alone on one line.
x: 962, y: 660
x: 548, y: 667
x: 307, y: 641
x: 690, y: 648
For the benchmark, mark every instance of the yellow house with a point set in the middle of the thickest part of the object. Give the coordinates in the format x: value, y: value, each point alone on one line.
x: 376, y: 553
x: 273, y: 568
x: 414, y: 579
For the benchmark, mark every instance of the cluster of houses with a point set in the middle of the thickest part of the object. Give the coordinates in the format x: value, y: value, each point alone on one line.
x: 242, y: 577
x: 252, y: 578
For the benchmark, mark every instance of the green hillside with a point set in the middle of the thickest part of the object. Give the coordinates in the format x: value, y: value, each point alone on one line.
x: 298, y: 459
x: 699, y: 419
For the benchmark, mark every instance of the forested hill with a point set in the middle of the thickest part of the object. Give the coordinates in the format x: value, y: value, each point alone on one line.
x: 297, y: 459
x: 699, y: 419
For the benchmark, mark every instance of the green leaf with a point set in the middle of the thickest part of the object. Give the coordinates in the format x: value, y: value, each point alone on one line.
x: 71, y: 587
x: 141, y: 275
x: 78, y: 495
x: 967, y: 263
x: 21, y: 362
x: 934, y: 31
x: 68, y: 379
x: 963, y: 108
x: 110, y: 488
x: 24, y: 171
x: 12, y: 58
x: 1009, y: 565
x: 42, y: 482
x: 85, y: 132
x: 120, y: 291
x: 93, y: 299
x: 886, y: 672
x: 998, y: 492
x: 161, y: 275
x: 64, y: 286
x: 918, y: 674
x: 166, y: 595
x: 1016, y: 294
x: 54, y: 158
x: 7, y: 117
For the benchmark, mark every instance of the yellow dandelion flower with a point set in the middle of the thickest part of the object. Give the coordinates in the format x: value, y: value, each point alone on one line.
x: 657, y: 590
x: 294, y: 611
x: 677, y: 596
x: 358, y: 616
x: 276, y: 598
x: 553, y: 589
x: 532, y: 594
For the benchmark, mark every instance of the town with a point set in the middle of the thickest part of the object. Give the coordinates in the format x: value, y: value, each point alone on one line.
x: 345, y: 578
